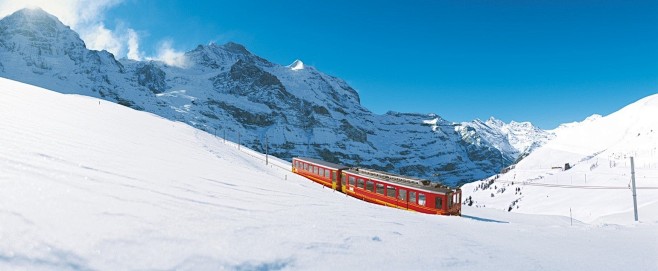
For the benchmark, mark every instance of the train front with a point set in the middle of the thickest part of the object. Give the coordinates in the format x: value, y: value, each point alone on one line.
x: 455, y: 203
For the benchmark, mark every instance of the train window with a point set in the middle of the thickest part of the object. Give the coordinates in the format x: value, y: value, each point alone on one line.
x: 412, y: 196
x: 326, y: 173
x: 402, y: 194
x: 321, y: 171
x: 360, y: 183
x: 316, y: 170
x: 439, y: 203
x: 370, y: 186
x: 380, y: 188
x: 306, y: 167
x: 352, y: 180
x: 421, y: 199
x: 390, y: 191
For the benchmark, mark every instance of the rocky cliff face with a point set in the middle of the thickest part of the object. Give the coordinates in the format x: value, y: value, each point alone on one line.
x: 228, y: 90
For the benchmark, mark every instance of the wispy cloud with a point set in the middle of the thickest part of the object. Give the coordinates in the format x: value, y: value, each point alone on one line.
x: 169, y: 56
x: 133, y: 45
x: 100, y: 38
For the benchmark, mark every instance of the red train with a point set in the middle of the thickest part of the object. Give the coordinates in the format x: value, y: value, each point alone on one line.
x: 382, y: 188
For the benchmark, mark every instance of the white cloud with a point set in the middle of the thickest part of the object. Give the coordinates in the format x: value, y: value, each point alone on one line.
x: 100, y: 38
x: 133, y: 45
x: 170, y: 56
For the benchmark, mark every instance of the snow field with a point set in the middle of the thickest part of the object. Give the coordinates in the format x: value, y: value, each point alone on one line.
x: 90, y: 185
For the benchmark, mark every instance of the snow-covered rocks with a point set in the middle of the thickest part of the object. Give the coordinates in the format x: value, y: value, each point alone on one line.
x: 296, y: 65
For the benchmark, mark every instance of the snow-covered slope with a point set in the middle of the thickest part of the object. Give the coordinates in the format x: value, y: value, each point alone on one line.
x: 90, y: 185
x: 598, y: 150
x: 225, y: 89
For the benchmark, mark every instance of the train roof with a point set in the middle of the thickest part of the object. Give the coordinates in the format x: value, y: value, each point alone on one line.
x: 400, y: 180
x: 322, y: 163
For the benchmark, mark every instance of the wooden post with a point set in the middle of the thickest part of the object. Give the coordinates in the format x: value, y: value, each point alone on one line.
x: 634, y: 193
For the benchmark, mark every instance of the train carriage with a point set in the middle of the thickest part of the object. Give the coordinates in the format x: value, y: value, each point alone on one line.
x: 322, y: 172
x: 401, y: 192
x: 382, y: 188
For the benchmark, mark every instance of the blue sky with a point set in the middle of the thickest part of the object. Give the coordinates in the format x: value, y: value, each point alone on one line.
x: 547, y: 62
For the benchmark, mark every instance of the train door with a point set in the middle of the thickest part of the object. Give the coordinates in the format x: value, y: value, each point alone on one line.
x: 449, y: 198
x: 402, y: 198
x: 335, y: 181
x: 438, y: 203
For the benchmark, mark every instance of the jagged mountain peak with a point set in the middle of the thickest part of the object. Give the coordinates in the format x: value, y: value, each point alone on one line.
x: 34, y: 13
x: 495, y: 122
x: 236, y: 48
x: 35, y: 19
x: 39, y: 31
x: 216, y: 56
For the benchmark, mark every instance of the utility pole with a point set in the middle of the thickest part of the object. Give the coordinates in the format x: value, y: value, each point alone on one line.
x: 224, y: 135
x: 633, y: 182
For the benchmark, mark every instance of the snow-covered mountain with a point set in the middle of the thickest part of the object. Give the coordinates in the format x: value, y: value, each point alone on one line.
x: 295, y: 109
x: 515, y: 139
x: 87, y: 184
x: 596, y: 183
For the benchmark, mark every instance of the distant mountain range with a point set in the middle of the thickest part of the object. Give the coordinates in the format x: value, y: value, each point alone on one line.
x: 296, y: 109
x: 584, y: 171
